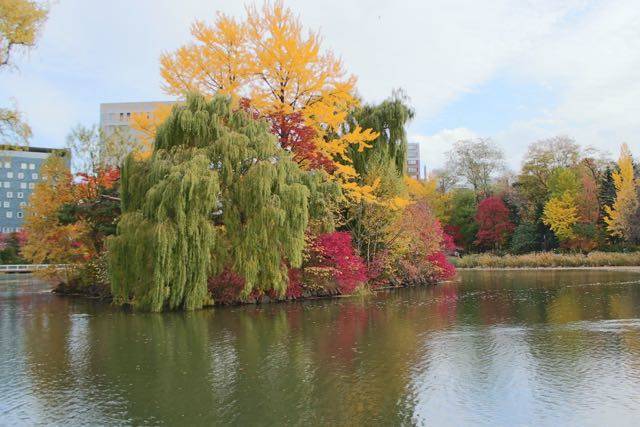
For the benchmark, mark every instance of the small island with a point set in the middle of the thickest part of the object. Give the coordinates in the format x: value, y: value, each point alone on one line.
x: 250, y: 235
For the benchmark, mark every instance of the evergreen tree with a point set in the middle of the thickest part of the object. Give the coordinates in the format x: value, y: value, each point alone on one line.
x: 526, y: 238
x: 217, y: 193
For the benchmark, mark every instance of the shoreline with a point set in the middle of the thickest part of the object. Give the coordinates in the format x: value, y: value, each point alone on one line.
x: 633, y: 269
x: 60, y: 292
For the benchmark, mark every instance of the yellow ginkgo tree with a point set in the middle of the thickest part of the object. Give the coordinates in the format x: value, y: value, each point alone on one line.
x: 270, y: 65
x: 618, y: 215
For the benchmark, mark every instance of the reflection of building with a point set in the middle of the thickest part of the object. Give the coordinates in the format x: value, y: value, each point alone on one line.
x: 116, y: 115
x: 19, y: 173
x: 413, y: 160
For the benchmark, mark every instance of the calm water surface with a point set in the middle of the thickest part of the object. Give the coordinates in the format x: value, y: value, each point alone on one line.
x: 494, y: 348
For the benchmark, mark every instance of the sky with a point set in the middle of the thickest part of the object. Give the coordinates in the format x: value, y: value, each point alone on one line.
x: 515, y: 71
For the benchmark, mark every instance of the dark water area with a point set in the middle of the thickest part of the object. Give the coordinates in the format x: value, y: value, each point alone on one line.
x: 492, y: 348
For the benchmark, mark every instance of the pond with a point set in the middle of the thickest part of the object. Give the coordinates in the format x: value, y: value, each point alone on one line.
x: 491, y: 348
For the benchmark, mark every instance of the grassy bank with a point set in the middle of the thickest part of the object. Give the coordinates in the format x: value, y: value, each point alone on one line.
x: 548, y: 259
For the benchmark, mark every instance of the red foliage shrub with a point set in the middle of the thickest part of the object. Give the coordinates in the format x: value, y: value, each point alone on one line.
x: 443, y: 268
x: 377, y: 269
x: 335, y: 250
x: 456, y: 235
x: 494, y: 223
x: 226, y: 287
x: 448, y: 242
x: 294, y: 290
x: 424, y: 261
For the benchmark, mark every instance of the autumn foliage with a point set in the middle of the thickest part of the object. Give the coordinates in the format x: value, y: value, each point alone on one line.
x: 69, y: 217
x: 271, y: 63
x: 619, y: 216
x: 269, y: 179
x: 334, y: 252
x: 494, y: 225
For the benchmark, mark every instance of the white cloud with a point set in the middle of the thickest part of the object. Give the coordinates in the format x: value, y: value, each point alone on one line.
x: 436, y: 50
x: 586, y: 51
x: 593, y: 63
x: 433, y: 148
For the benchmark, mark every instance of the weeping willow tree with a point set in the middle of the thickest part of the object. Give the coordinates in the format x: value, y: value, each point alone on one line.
x: 216, y: 193
x: 388, y: 119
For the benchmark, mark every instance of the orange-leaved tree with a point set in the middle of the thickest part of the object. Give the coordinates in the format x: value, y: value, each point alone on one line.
x: 282, y: 74
x: 49, y: 240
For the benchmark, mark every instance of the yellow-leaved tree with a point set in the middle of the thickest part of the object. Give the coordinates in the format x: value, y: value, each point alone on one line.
x: 269, y: 63
x: 145, y: 125
x: 561, y: 214
x: 618, y: 216
x: 427, y: 190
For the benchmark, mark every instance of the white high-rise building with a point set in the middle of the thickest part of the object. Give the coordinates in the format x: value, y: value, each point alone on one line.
x: 413, y: 160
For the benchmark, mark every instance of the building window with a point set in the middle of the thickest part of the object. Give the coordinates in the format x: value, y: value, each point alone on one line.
x: 18, y: 229
x: 23, y: 165
x: 7, y: 165
x: 32, y: 166
x: 6, y: 184
x: 9, y: 174
x: 20, y: 195
x: 31, y: 186
x: 9, y: 214
x: 19, y: 214
x: 20, y: 175
x: 9, y: 194
x: 23, y: 185
x: 22, y: 204
x: 5, y: 204
x: 34, y: 176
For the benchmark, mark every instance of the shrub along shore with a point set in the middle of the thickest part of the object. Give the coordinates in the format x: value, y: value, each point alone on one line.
x: 549, y: 260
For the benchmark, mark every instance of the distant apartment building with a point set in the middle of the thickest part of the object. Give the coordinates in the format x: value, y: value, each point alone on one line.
x: 19, y: 173
x: 117, y: 115
x: 413, y: 160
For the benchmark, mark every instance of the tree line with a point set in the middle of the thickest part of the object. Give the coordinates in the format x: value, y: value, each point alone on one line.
x: 564, y: 197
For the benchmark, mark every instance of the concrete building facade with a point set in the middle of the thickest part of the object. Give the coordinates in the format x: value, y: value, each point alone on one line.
x: 117, y: 115
x: 19, y: 173
x: 413, y: 160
